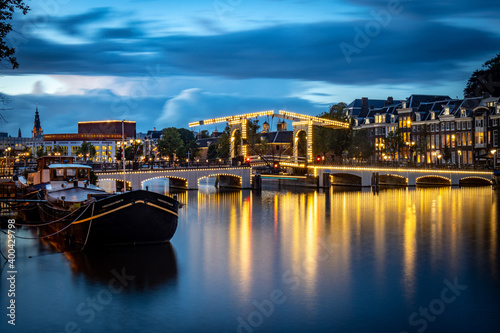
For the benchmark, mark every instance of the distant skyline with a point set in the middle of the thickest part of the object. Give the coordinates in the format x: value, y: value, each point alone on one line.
x: 166, y: 63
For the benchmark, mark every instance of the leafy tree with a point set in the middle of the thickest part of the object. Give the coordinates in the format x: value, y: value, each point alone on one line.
x: 212, y: 151
x: 392, y: 143
x: 205, y: 134
x: 422, y: 141
x: 7, y: 10
x: 223, y: 144
x: 170, y: 142
x: 485, y: 80
x: 87, y: 149
x: 189, y: 144
x: 361, y: 146
x: 40, y: 152
x: 336, y: 141
x: 446, y: 153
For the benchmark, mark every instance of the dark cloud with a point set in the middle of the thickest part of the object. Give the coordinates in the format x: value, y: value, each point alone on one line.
x: 436, y: 9
x: 73, y: 24
x: 120, y: 33
x: 400, y: 50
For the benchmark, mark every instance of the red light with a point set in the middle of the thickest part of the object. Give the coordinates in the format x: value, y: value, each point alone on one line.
x: 248, y: 159
x: 318, y: 158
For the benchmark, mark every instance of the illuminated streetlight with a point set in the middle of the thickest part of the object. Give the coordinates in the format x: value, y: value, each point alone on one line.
x: 493, y: 152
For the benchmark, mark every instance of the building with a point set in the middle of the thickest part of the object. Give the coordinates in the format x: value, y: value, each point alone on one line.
x: 436, y: 130
x: 37, y: 131
x: 105, y: 136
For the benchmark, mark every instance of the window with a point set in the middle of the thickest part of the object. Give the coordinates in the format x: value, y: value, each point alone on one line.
x: 495, y: 138
x: 432, y: 127
x: 469, y: 139
x: 470, y: 157
x: 58, y: 174
x: 452, y: 126
x: 469, y: 125
x: 459, y: 126
x: 447, y: 126
x: 442, y: 126
x: 82, y: 174
x: 495, y: 122
x: 479, y: 138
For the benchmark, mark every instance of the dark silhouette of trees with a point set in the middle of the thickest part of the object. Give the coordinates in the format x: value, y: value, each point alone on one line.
x: 485, y: 80
x: 7, y: 10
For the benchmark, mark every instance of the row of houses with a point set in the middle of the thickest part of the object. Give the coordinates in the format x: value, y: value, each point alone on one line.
x: 433, y: 129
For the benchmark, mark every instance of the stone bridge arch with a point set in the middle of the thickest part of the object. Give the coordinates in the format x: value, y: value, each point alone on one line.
x: 474, y: 181
x: 433, y: 180
x: 173, y: 181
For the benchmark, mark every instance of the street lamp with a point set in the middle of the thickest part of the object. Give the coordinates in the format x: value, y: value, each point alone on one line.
x: 439, y: 158
x: 7, y: 150
x: 459, y: 157
x: 493, y: 152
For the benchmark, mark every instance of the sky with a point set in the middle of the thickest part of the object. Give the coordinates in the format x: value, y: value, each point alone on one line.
x: 167, y: 63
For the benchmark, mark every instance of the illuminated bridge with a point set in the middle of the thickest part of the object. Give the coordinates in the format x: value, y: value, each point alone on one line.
x: 364, y: 176
x: 183, y: 178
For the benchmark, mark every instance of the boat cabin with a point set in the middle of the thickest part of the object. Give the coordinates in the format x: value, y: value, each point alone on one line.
x: 68, y: 175
x: 42, y: 174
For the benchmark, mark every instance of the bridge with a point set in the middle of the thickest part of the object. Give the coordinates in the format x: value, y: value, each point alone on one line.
x: 184, y: 178
x: 368, y: 176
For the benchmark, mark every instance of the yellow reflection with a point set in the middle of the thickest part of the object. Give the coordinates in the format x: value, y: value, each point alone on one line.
x: 240, y: 246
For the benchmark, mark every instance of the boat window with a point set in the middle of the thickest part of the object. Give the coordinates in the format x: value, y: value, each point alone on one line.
x: 82, y: 174
x: 70, y: 172
x: 58, y: 174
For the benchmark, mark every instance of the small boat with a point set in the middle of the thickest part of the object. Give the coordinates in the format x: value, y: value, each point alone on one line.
x: 85, y: 214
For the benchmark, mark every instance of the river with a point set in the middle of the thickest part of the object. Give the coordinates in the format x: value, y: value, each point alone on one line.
x: 401, y: 260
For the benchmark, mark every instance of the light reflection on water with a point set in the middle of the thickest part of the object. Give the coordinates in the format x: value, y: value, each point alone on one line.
x: 343, y: 261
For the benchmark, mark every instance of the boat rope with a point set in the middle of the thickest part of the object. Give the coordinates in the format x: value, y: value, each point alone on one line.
x: 59, y: 231
x: 47, y: 223
x: 90, y: 226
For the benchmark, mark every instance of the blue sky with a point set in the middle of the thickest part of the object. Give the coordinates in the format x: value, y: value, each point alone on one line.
x: 167, y: 63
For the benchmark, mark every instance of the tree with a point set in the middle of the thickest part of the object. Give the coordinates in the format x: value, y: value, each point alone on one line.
x: 486, y: 80
x: 223, y: 144
x: 422, y: 141
x: 212, y: 151
x: 392, y: 142
x: 40, y: 152
x: 87, y: 150
x: 7, y: 10
x: 205, y: 134
x: 361, y: 146
x: 170, y: 142
x: 333, y: 140
x: 189, y: 144
x: 446, y: 153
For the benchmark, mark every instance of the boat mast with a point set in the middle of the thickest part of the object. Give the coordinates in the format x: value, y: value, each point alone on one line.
x: 123, y: 156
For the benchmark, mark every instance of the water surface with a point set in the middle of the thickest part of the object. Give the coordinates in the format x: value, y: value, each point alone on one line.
x: 402, y: 260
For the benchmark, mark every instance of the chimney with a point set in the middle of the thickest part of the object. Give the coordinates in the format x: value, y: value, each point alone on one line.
x: 403, y: 104
x: 364, y: 104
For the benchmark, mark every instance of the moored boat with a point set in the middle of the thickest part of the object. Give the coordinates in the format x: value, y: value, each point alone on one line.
x: 85, y: 214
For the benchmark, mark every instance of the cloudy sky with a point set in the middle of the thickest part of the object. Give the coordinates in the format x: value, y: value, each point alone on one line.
x: 167, y: 63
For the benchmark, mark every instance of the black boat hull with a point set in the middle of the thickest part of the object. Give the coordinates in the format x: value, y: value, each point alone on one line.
x: 137, y: 217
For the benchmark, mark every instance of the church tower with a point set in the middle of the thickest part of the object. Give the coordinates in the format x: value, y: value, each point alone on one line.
x: 37, y: 128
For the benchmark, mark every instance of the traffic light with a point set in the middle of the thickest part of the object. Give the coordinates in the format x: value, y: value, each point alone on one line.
x: 276, y: 165
x: 318, y: 158
x: 248, y: 160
